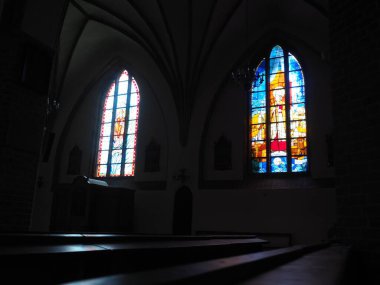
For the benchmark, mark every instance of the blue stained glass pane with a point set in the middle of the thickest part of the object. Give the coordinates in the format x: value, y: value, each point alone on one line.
x: 297, y: 94
x: 276, y: 65
x: 297, y: 112
x: 258, y: 99
x: 259, y: 165
x: 278, y: 164
x: 258, y: 116
x: 299, y: 164
x: 115, y: 169
x: 258, y: 85
x: 121, y: 101
x: 293, y: 63
x: 116, y: 156
x: 296, y: 78
x: 276, y: 52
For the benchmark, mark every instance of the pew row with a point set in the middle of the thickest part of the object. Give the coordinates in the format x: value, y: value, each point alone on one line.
x: 296, y: 265
x: 47, y: 259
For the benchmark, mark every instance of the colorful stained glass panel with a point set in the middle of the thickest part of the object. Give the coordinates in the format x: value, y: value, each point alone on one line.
x: 278, y: 130
x: 295, y: 78
x: 298, y: 129
x: 297, y: 94
x: 297, y: 112
x: 258, y: 149
x: 277, y: 51
x: 277, y: 96
x: 260, y: 86
x: 258, y: 132
x: 119, y: 128
x: 259, y: 165
x: 117, y: 142
x: 116, y: 156
x: 293, y: 63
x: 276, y: 65
x: 299, y: 164
x: 299, y: 146
x: 277, y: 114
x: 258, y: 116
x: 278, y: 164
x: 278, y: 147
x: 115, y: 169
x: 258, y: 99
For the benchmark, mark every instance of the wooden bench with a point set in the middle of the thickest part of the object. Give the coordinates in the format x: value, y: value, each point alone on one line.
x: 306, y: 265
x: 58, y: 258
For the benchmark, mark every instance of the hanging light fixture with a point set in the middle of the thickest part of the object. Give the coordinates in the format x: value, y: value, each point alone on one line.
x: 247, y: 76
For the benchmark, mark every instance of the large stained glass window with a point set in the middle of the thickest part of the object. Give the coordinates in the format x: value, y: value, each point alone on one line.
x: 278, y: 116
x: 118, y: 130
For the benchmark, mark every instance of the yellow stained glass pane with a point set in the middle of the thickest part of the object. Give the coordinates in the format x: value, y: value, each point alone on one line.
x: 298, y: 129
x: 258, y: 132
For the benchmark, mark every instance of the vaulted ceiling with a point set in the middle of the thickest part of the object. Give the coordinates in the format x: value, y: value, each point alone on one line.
x: 192, y: 44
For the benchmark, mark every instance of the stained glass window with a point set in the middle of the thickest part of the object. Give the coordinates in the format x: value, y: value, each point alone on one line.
x: 278, y: 135
x: 118, y: 130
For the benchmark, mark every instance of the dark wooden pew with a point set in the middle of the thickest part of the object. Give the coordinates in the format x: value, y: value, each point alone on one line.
x: 55, y: 258
x: 297, y: 265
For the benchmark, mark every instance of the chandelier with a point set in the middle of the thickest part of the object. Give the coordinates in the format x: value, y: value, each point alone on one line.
x: 247, y: 77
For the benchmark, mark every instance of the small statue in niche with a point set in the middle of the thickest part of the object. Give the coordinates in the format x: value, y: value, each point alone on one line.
x: 222, y: 154
x: 75, y: 161
x: 152, y: 157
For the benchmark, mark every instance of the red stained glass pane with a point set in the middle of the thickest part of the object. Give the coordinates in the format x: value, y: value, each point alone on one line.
x: 278, y: 147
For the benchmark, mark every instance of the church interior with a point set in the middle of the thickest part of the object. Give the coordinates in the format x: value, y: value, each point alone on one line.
x: 172, y: 137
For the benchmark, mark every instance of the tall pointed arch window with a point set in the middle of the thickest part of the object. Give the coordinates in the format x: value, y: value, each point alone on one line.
x: 278, y: 135
x: 118, y: 130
